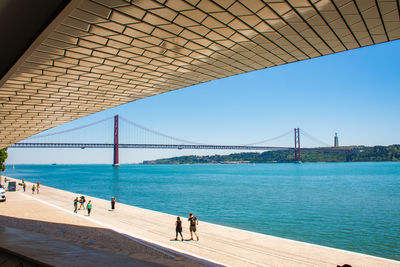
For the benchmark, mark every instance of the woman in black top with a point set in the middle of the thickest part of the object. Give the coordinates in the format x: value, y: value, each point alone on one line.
x: 178, y: 228
x: 112, y: 203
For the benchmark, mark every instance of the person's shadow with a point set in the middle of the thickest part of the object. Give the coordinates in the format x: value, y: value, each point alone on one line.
x: 180, y: 240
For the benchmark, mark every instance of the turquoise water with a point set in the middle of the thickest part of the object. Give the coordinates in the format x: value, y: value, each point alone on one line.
x: 351, y: 206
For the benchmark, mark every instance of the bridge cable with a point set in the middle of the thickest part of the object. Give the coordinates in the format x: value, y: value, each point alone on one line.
x: 158, y: 133
x: 68, y: 130
x: 270, y: 139
x: 314, y: 139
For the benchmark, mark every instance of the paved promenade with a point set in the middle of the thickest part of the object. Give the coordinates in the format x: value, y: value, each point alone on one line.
x: 218, y: 244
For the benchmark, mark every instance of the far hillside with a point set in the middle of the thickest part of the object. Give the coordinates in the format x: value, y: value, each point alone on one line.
x: 364, y: 153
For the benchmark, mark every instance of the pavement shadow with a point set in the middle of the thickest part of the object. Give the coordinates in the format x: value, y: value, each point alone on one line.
x: 97, y: 238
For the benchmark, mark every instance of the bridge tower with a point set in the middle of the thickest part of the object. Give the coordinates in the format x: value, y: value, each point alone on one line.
x: 297, y: 150
x: 116, y: 144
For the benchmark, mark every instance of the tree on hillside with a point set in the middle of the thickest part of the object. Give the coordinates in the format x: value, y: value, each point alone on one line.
x: 361, y: 153
x: 3, y: 156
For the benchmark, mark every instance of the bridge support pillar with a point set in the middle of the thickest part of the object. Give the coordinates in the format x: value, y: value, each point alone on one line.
x: 116, y: 144
x: 348, y: 156
x: 297, y: 150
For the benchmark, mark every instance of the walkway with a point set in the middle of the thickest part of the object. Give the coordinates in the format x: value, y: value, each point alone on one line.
x: 221, y: 245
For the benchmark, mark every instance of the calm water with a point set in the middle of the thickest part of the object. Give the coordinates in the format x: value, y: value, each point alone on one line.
x: 351, y: 206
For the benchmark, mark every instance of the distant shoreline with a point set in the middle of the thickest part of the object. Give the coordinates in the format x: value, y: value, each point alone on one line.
x: 141, y: 164
x: 253, y: 163
x: 357, y: 154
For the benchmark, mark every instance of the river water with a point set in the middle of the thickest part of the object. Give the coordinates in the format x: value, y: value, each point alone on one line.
x: 350, y: 206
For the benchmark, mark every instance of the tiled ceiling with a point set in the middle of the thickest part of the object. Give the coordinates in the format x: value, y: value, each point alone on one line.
x: 99, y: 54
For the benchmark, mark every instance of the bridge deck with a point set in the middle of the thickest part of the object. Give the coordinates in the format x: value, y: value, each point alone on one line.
x: 179, y: 146
x: 220, y: 244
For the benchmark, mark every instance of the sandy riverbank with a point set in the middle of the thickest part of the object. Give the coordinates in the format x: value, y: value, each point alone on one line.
x: 50, y: 212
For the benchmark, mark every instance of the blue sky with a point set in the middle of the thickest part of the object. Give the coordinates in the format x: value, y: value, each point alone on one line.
x: 355, y: 93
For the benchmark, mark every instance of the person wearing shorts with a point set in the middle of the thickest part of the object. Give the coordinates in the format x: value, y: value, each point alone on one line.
x: 82, y: 201
x: 193, y: 222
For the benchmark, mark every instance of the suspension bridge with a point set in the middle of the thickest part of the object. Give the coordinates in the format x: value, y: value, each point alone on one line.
x: 177, y: 142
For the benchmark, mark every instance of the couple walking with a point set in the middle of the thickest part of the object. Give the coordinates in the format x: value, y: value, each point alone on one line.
x: 193, y: 222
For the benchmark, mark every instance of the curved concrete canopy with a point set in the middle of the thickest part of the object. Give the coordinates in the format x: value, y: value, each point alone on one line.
x: 98, y: 54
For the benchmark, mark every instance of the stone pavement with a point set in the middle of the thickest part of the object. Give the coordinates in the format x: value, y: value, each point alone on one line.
x: 218, y: 244
x: 54, y: 252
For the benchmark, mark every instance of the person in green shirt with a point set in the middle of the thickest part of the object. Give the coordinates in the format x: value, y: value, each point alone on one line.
x: 89, y: 207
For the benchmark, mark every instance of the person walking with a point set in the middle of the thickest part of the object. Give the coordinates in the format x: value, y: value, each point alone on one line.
x: 82, y: 201
x: 89, y: 207
x: 76, y: 204
x: 37, y: 187
x: 178, y: 228
x: 112, y: 203
x: 33, y: 188
x: 193, y: 222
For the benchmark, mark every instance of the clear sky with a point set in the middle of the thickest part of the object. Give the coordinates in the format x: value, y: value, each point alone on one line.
x: 354, y: 93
